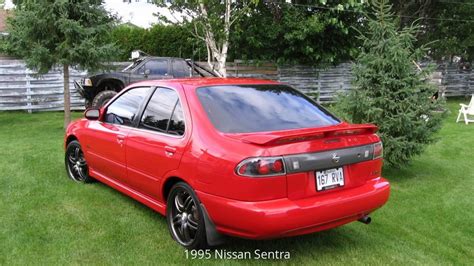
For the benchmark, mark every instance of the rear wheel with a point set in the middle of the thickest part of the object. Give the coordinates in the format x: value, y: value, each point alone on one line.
x: 76, y: 165
x: 185, y: 217
x: 102, y: 98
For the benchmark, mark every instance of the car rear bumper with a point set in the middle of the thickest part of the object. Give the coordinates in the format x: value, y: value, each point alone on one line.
x: 285, y: 217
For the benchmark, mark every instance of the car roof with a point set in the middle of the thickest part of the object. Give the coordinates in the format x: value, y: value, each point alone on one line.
x: 200, y: 82
x: 160, y: 57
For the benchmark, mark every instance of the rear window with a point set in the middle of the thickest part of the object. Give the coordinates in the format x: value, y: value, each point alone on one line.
x: 258, y: 108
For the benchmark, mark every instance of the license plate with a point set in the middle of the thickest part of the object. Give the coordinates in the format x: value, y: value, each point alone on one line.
x: 330, y: 178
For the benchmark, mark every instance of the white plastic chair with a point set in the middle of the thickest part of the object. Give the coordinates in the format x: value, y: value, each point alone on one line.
x: 467, y: 110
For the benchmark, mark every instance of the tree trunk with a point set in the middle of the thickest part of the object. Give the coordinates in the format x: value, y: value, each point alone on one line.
x: 221, y: 67
x: 215, y: 51
x: 67, y: 96
x: 225, y: 43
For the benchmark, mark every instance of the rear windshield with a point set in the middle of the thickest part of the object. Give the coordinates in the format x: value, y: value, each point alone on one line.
x: 258, y: 108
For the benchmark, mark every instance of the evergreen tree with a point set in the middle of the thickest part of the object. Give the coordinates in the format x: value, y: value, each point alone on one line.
x: 60, y: 32
x: 390, y: 90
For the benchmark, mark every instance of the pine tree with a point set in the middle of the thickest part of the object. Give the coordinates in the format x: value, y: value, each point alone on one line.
x: 62, y: 33
x: 390, y: 90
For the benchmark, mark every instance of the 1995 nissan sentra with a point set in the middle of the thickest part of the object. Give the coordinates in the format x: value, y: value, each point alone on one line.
x: 241, y: 157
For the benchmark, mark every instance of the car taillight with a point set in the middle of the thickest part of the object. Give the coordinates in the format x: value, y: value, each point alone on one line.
x: 378, y: 150
x: 261, y: 167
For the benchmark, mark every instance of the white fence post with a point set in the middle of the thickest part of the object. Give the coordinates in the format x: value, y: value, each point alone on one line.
x: 28, y: 89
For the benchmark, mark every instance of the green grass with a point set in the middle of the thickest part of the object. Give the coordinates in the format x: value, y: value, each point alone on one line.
x: 47, y: 219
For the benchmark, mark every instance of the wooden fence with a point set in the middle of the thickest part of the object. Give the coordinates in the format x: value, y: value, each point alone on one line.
x: 20, y: 89
x: 457, y: 80
x: 320, y: 83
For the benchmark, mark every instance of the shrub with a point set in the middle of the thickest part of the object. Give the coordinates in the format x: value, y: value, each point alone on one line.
x: 159, y: 40
x: 128, y: 38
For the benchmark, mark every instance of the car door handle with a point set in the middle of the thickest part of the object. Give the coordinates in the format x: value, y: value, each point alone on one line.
x: 170, y: 150
x: 120, y: 139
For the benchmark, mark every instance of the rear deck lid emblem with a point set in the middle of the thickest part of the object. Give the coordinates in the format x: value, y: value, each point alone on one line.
x: 296, y: 165
x: 335, y: 158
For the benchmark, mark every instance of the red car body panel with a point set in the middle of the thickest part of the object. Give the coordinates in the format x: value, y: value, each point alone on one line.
x: 286, y: 217
x: 140, y: 163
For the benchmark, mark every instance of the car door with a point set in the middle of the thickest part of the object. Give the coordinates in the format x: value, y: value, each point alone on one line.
x: 152, y: 69
x: 156, y: 146
x: 107, y: 138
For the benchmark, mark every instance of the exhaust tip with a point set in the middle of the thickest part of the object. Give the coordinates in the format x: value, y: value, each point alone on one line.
x: 365, y: 219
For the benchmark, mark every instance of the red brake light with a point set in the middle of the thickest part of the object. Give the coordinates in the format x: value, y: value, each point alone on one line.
x: 261, y: 167
x: 378, y: 150
x: 277, y: 166
x: 286, y: 140
x: 242, y: 169
x: 350, y: 132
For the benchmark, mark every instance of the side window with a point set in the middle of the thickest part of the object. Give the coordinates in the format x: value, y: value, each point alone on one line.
x: 180, y: 69
x: 163, y: 113
x: 156, y: 67
x: 124, y: 109
x: 176, y: 126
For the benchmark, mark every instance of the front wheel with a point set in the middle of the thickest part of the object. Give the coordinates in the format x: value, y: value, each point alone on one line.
x: 76, y: 165
x: 185, y: 217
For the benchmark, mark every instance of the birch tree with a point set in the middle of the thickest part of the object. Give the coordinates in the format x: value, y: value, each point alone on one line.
x: 212, y: 22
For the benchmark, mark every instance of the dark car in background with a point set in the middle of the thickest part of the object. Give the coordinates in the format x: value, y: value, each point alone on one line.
x: 99, y: 89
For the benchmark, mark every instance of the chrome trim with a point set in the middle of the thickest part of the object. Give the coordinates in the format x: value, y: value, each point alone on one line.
x: 328, y: 159
x: 159, y: 133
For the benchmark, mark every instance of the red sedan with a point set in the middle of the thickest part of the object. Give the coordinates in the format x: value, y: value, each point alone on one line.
x: 242, y: 157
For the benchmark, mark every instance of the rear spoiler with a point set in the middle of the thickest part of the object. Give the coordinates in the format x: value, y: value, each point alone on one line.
x: 285, y: 137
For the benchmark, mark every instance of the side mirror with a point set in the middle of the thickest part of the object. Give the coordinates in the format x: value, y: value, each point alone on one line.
x: 147, y: 72
x: 92, y: 114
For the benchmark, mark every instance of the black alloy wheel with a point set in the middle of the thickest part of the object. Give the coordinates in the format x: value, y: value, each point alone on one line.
x: 76, y: 164
x: 185, y: 217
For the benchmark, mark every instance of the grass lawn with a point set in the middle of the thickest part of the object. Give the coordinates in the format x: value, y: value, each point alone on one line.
x: 47, y: 219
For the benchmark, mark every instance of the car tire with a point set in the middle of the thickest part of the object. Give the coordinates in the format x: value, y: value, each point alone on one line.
x: 76, y: 165
x: 102, y: 98
x: 185, y: 217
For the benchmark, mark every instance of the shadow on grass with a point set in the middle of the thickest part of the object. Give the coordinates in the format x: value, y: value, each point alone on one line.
x: 147, y: 211
x: 323, y: 239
